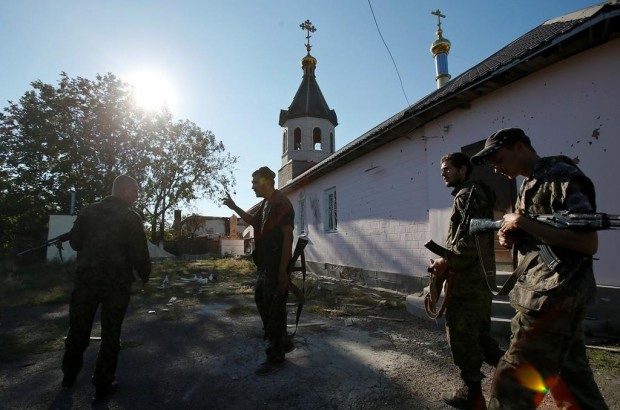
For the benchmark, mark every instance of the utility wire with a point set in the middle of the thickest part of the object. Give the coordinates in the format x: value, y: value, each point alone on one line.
x: 389, y: 52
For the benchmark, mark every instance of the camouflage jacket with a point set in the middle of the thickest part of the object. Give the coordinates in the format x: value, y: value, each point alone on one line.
x: 470, y: 276
x: 556, y: 184
x: 267, y: 223
x: 109, y: 237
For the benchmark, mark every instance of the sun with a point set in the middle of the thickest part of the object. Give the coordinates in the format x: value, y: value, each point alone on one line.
x: 152, y: 90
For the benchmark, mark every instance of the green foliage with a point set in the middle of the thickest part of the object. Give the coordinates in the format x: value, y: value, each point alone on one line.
x: 80, y: 135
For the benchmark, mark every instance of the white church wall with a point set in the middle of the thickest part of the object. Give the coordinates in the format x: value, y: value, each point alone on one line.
x: 308, y: 151
x: 382, y: 211
x: 393, y: 199
x: 569, y: 108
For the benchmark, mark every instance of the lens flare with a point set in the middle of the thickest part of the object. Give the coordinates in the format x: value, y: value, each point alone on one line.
x: 529, y: 377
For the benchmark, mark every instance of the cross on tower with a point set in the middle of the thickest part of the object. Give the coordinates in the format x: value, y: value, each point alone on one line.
x: 307, y: 25
x: 439, y: 16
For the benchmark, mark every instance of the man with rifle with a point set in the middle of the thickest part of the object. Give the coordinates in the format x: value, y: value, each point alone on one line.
x: 547, y: 347
x: 110, y: 243
x: 273, y: 236
x: 468, y: 315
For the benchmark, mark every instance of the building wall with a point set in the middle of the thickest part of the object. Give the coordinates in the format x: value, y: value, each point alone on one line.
x: 380, y: 228
x: 232, y: 247
x: 307, y: 151
x: 569, y: 108
x: 211, y: 226
x: 392, y: 200
x: 58, y: 225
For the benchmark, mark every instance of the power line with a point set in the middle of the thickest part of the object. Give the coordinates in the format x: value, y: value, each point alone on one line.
x: 389, y: 52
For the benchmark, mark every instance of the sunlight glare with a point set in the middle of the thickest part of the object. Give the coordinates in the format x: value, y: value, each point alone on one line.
x: 529, y: 377
x: 152, y: 90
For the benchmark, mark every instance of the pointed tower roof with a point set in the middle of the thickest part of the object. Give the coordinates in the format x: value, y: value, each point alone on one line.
x: 308, y: 100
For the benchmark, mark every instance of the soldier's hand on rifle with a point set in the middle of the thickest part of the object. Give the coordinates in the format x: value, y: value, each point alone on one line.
x: 285, y: 282
x: 440, y: 267
x: 511, y: 223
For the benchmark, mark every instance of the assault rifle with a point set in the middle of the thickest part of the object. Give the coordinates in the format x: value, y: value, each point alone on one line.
x: 465, y: 218
x: 57, y: 241
x: 298, y: 253
x: 437, y: 282
x: 561, y: 220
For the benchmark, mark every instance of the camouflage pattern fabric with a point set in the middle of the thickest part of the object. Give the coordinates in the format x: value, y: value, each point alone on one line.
x: 468, y: 316
x: 271, y: 304
x: 268, y: 221
x: 547, y: 344
x: 109, y: 235
x: 110, y: 241
x: 470, y: 280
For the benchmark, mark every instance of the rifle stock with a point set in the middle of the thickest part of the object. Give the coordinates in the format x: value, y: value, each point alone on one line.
x: 298, y: 252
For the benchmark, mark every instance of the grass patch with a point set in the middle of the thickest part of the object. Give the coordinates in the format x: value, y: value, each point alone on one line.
x: 606, y: 361
x: 350, y: 299
x: 35, y: 285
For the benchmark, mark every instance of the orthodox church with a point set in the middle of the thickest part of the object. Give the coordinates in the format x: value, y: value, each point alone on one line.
x: 369, y: 207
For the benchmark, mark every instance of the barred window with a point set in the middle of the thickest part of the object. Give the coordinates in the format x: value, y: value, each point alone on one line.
x: 301, y: 212
x: 331, y: 211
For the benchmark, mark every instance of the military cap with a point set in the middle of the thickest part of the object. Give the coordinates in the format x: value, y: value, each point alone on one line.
x: 500, y: 138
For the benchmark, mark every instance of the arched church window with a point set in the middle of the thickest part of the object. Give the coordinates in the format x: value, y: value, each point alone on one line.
x: 332, y: 143
x: 284, y: 133
x: 297, y: 142
x: 316, y: 138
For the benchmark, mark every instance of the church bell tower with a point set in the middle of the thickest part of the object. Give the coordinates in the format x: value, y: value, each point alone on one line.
x: 308, y: 126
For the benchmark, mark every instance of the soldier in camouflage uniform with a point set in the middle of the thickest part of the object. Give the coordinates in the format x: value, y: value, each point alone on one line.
x: 273, y: 237
x: 547, y: 348
x: 468, y: 315
x: 110, y: 242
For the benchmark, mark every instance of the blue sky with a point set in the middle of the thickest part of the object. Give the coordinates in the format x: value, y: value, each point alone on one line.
x: 232, y: 65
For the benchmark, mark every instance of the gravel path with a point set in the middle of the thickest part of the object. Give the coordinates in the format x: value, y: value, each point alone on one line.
x: 203, y: 357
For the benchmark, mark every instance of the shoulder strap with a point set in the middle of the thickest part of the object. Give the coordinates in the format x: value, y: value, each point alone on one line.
x: 523, y: 265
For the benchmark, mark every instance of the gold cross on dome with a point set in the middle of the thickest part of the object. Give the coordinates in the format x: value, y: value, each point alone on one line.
x: 307, y: 25
x: 439, y: 16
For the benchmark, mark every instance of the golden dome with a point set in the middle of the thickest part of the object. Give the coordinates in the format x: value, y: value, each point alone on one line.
x: 308, y: 60
x: 441, y: 45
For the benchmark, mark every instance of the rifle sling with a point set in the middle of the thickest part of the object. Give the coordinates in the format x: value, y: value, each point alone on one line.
x: 430, y: 300
x: 523, y: 265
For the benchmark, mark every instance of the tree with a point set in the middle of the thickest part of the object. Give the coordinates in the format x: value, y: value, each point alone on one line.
x: 81, y: 134
x: 178, y: 170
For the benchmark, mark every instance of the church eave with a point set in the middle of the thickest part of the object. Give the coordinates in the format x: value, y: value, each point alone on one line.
x: 554, y: 40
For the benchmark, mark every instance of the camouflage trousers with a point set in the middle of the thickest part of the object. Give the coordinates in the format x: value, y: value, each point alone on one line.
x: 468, y: 329
x: 85, y: 301
x: 547, y: 353
x: 271, y: 304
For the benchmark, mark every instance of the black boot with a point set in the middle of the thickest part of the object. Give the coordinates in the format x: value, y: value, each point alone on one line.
x: 467, y: 397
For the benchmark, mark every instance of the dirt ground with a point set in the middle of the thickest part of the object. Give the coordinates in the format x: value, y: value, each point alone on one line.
x: 180, y: 352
